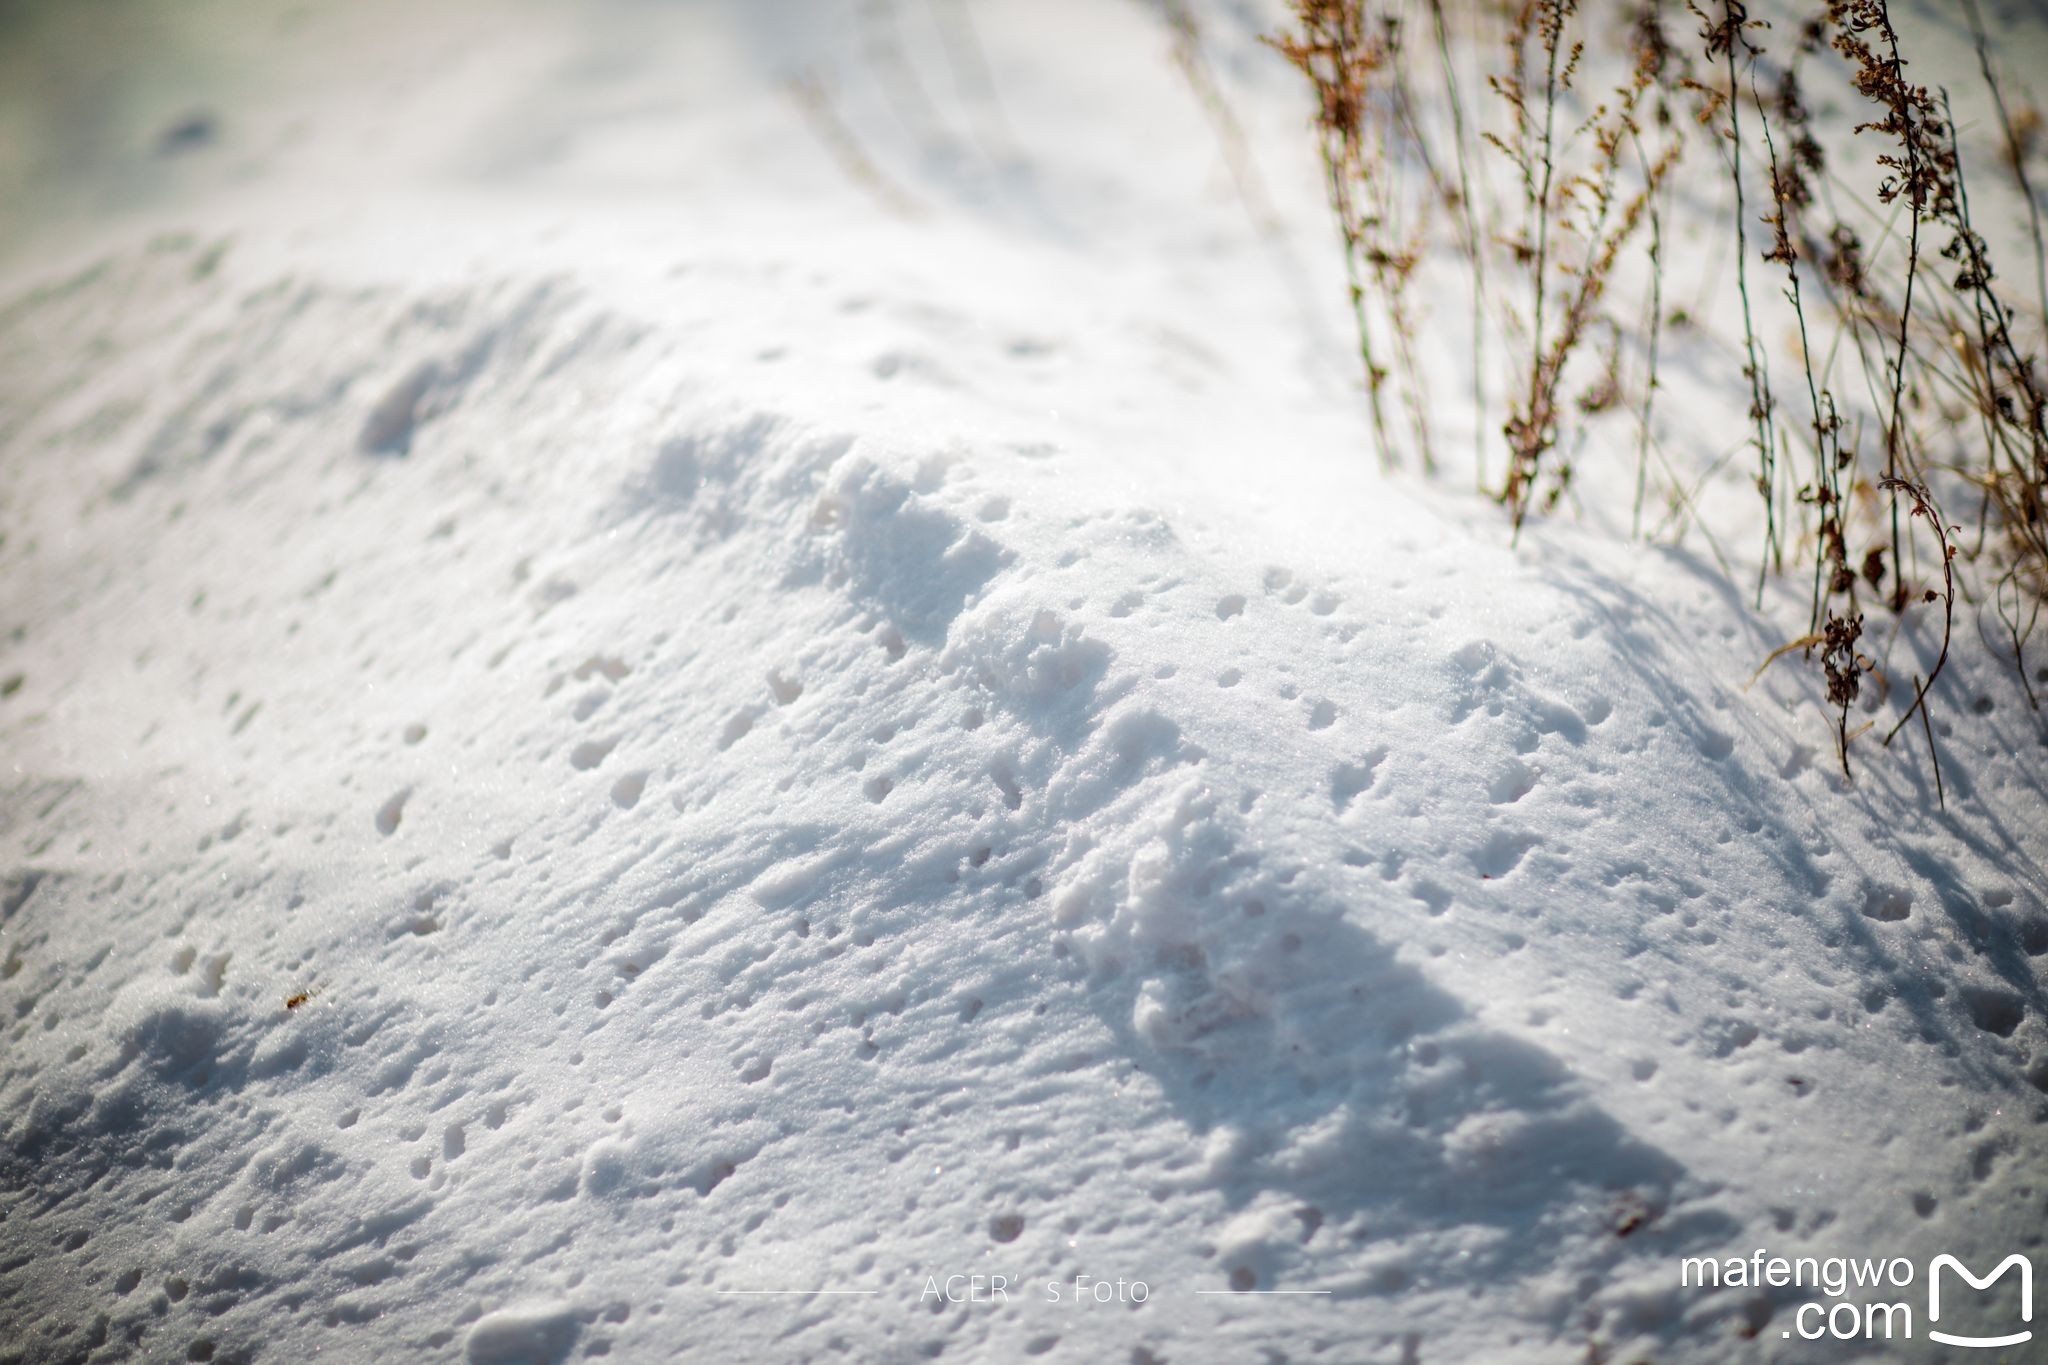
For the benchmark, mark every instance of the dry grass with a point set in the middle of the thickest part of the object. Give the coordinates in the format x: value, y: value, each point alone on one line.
x: 1919, y: 372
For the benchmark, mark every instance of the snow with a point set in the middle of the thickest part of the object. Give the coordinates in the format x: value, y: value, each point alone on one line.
x: 608, y: 713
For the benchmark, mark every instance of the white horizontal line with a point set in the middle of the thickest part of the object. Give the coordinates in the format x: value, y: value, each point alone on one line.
x: 1262, y: 1291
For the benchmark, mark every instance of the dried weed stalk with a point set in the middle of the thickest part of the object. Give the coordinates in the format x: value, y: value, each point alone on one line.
x: 1347, y: 59
x: 1952, y: 380
x: 1585, y: 189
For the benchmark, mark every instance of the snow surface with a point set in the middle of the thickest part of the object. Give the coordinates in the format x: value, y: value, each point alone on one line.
x: 810, y: 692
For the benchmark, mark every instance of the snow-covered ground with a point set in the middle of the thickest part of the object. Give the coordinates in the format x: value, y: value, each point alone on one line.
x: 659, y: 653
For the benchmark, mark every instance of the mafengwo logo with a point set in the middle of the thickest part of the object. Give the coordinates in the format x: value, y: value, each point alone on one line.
x: 1850, y: 1318
x: 2012, y: 1262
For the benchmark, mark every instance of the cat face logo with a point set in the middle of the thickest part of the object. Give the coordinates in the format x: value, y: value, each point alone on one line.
x: 2026, y: 1298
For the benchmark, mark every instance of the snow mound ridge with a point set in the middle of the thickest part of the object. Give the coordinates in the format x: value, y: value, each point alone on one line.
x: 568, y: 838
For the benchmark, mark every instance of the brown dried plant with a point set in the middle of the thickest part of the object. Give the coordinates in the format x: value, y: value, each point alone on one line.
x: 1347, y: 59
x: 1598, y: 187
x: 1952, y: 382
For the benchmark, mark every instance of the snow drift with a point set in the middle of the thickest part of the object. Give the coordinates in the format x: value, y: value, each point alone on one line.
x: 549, y: 798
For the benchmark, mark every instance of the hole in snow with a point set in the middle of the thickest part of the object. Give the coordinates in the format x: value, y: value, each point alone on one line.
x: 394, y: 807
x: 736, y: 728
x: 590, y: 753
x: 1887, y: 903
x: 1994, y: 1011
